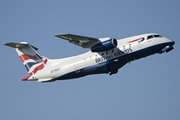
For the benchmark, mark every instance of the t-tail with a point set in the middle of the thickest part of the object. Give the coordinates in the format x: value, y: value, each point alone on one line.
x: 31, y: 59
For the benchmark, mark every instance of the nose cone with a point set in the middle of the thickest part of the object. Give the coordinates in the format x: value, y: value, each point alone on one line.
x: 172, y: 43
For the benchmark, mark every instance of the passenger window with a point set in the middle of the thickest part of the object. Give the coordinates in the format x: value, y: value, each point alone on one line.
x: 149, y: 37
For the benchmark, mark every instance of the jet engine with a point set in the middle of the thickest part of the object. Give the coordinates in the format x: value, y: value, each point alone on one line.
x: 105, y: 45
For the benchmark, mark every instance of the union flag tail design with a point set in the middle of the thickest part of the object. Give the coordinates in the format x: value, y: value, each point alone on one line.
x: 28, y: 54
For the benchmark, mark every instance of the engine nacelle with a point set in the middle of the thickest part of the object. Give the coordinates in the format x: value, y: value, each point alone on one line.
x: 105, y: 45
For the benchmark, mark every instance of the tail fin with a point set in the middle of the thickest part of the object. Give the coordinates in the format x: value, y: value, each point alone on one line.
x: 28, y: 55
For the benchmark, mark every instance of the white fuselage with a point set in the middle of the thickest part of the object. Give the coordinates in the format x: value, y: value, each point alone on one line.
x: 128, y: 49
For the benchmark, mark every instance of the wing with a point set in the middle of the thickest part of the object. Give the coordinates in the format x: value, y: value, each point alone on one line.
x: 82, y: 41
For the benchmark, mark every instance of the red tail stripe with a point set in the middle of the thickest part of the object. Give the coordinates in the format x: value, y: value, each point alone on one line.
x: 21, y: 58
x: 26, y: 78
x: 25, y: 57
x: 40, y: 67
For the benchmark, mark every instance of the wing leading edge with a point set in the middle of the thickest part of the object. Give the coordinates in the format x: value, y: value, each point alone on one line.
x: 82, y: 41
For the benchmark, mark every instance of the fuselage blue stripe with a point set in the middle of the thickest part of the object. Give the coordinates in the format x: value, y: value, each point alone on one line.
x: 111, y: 65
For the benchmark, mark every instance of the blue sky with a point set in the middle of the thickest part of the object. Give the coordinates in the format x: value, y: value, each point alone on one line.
x: 142, y: 90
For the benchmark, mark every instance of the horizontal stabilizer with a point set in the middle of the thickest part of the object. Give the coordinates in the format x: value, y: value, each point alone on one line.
x: 19, y: 45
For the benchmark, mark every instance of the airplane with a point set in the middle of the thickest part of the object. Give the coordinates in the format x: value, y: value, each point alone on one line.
x: 106, y: 55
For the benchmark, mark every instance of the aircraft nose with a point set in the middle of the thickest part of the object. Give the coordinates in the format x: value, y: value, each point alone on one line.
x: 173, y: 42
x: 169, y: 46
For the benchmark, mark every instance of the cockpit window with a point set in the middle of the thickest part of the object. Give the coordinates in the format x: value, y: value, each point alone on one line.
x: 157, y: 36
x: 149, y: 37
x: 153, y: 36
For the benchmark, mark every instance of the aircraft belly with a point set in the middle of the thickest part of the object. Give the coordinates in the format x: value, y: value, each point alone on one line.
x: 78, y: 73
x: 94, y: 69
